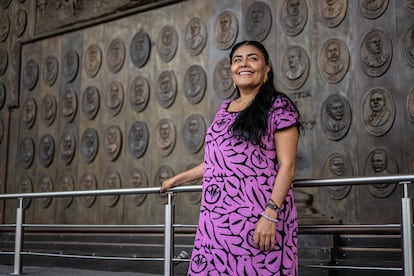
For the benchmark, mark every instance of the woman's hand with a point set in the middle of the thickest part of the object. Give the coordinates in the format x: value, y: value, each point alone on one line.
x: 265, y: 234
x: 168, y: 184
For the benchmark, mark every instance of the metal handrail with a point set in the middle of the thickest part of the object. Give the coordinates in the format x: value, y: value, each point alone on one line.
x: 406, y: 203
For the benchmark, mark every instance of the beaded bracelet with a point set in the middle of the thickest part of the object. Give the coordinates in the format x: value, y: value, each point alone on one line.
x: 272, y: 206
x: 269, y: 218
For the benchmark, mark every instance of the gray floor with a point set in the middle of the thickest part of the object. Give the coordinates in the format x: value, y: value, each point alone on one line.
x: 57, y: 271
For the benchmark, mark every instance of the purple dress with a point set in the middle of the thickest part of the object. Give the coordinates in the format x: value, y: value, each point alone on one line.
x: 237, y: 182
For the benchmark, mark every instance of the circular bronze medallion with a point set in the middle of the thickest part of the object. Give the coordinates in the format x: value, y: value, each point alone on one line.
x: 29, y: 112
x: 376, y: 53
x: 88, y: 182
x: 112, y: 180
x: 27, y: 152
x: 408, y: 45
x: 165, y: 136
x: 139, y: 93
x: 193, y: 132
x: 258, y: 21
x: 46, y: 150
x: 67, y: 184
x: 373, y: 8
x: 336, y: 117
x: 295, y: 67
x: 195, y: 82
x: 30, y: 74
x: 338, y: 165
x: 138, y: 138
x: 113, y: 142
x: 195, y: 37
x: 293, y: 16
x: 67, y: 147
x: 48, y: 109
x: 163, y: 173
x: 334, y: 60
x: 226, y: 29
x: 70, y: 65
x: 332, y: 12
x: 45, y: 186
x: 140, y: 49
x: 89, y: 145
x: 223, y: 82
x: 167, y: 43
x: 20, y: 22
x: 69, y: 105
x: 4, y: 27
x: 114, y: 97
x: 166, y: 89
x: 26, y: 186
x: 90, y: 102
x: 115, y: 56
x: 50, y: 70
x: 137, y: 179
x: 93, y: 60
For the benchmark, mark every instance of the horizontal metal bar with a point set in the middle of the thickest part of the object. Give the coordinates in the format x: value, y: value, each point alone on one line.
x: 93, y: 257
x: 93, y: 225
x: 377, y: 268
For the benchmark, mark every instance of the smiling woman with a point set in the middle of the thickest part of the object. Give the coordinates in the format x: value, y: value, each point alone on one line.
x: 248, y: 220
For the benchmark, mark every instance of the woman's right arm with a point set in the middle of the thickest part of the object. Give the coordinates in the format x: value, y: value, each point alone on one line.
x: 183, y: 177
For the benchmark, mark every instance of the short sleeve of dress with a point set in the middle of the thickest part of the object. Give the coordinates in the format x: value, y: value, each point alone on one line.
x: 283, y: 114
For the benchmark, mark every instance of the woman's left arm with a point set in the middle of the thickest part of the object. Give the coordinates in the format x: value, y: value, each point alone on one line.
x: 286, y: 147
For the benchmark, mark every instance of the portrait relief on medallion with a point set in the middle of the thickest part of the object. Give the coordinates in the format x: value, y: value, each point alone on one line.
x: 410, y: 106
x: 4, y: 61
x: 29, y: 112
x: 115, y: 56
x: 373, y: 8
x: 226, y: 29
x: 2, y: 94
x: 165, y: 136
x: 48, y: 109
x: 338, y: 165
x: 91, y: 101
x: 409, y: 3
x: 336, y: 117
x: 258, y: 21
x: 378, y: 111
x: 139, y: 93
x: 30, y: 73
x: 166, y: 88
x: 12, y: 98
x: 92, y: 60
x: 376, y: 53
x: 381, y: 162
x: 193, y: 132
x: 195, y: 37
x: 293, y: 16
x: 45, y: 185
x: 46, y: 150
x: 163, y: 173
x: 193, y: 197
x: 408, y: 45
x: 334, y: 60
x: 138, y: 138
x: 70, y: 65
x: 295, y: 67
x: 167, y: 43
x: 27, y: 152
x: 88, y: 182
x: 67, y: 147
x: 195, y: 82
x: 332, y: 12
x: 112, y: 180
x: 223, y: 82
x: 113, y: 142
x: 140, y: 49
x: 26, y: 186
x: 89, y: 145
x: 114, y: 98
x: 15, y: 56
x: 4, y: 27
x: 69, y: 105
x: 67, y: 184
x: 20, y: 22
x: 50, y: 69
x: 137, y: 179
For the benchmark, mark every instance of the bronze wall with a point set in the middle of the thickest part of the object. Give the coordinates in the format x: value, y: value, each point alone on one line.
x: 102, y: 94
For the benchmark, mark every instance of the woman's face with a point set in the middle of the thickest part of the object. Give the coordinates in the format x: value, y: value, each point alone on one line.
x: 248, y: 67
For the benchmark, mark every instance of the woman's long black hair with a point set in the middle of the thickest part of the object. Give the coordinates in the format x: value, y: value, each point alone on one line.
x: 251, y: 123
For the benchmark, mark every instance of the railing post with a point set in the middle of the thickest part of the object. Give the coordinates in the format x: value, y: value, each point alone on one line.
x: 407, y: 231
x: 168, y: 237
x: 18, y: 241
